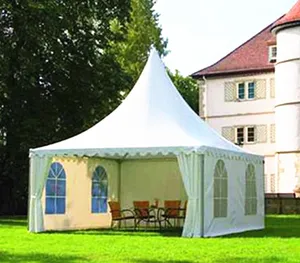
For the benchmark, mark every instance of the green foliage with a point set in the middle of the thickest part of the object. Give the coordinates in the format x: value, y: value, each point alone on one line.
x: 188, y: 88
x: 279, y: 242
x: 56, y: 79
x: 143, y: 30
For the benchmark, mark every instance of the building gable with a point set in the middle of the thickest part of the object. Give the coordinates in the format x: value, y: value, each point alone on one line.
x: 250, y: 57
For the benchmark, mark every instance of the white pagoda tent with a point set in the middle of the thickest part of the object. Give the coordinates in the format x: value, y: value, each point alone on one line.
x: 222, y: 182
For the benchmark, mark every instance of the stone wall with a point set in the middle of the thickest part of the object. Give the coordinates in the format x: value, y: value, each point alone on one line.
x: 282, y: 205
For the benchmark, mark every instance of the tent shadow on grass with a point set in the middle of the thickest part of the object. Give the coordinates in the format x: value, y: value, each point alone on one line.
x: 176, y: 232
x: 6, y: 257
x: 282, y: 227
x: 13, y: 221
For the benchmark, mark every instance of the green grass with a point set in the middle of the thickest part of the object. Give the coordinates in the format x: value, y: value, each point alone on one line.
x: 279, y: 242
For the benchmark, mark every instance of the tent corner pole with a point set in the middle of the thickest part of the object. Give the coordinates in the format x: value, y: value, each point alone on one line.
x: 202, y: 195
x: 119, y: 179
x: 120, y: 161
x: 29, y: 194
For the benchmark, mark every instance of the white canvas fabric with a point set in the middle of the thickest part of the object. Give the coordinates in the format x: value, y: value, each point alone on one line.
x: 236, y: 220
x: 153, y: 119
x: 191, y: 170
x: 39, y: 168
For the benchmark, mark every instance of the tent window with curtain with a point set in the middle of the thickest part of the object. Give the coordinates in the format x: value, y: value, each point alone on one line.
x: 251, y: 193
x: 99, y: 190
x: 220, y: 190
x: 56, y: 190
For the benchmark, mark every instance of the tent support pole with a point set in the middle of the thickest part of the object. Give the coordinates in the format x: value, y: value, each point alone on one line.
x: 29, y: 193
x: 202, y: 196
x: 120, y: 176
x: 119, y: 180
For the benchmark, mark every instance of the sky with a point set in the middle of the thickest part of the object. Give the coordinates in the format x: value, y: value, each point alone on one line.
x: 201, y: 32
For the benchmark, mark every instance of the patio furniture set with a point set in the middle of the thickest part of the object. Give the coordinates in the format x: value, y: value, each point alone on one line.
x: 143, y: 212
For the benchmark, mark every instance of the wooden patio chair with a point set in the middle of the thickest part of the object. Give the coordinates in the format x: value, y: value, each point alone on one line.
x: 183, y: 211
x: 144, y: 213
x: 118, y: 215
x: 171, y: 210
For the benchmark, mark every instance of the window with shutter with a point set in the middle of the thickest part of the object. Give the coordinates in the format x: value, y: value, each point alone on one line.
x: 241, y: 91
x: 245, y: 134
x: 266, y: 182
x: 260, y: 89
x: 230, y: 91
x: 240, y: 135
x: 272, y: 88
x: 272, y: 183
x: 261, y: 133
x: 228, y: 133
x: 273, y: 133
x: 250, y: 134
x: 201, y: 98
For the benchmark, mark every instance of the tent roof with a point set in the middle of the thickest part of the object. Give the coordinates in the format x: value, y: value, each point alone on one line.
x: 153, y: 119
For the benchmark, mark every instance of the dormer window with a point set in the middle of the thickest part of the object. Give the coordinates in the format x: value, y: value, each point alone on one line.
x: 272, y: 54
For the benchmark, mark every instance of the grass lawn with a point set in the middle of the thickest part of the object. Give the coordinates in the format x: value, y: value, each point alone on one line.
x: 279, y: 242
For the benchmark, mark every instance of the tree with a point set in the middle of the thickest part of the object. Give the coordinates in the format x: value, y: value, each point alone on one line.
x: 188, y: 88
x: 137, y: 36
x: 143, y: 30
x: 57, y: 78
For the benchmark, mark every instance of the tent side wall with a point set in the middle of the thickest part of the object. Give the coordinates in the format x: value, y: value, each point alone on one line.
x: 235, y: 220
x: 78, y: 213
x: 150, y: 179
x: 128, y: 180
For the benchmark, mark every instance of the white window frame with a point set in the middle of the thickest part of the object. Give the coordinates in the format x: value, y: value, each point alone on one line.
x: 245, y: 134
x: 272, y: 57
x: 246, y: 86
x: 236, y: 134
x: 246, y: 131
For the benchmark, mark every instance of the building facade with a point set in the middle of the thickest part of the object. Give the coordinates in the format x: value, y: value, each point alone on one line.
x: 252, y: 97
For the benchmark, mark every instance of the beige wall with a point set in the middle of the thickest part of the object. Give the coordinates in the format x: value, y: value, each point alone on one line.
x: 78, y: 194
x: 140, y: 180
x: 288, y: 171
x: 150, y: 179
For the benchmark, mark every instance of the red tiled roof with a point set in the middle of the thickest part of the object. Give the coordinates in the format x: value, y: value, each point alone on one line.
x: 291, y: 17
x: 250, y: 57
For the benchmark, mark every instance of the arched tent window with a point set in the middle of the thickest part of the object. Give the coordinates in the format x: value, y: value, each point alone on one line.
x: 99, y: 190
x: 56, y: 190
x: 220, y: 190
x: 250, y: 193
